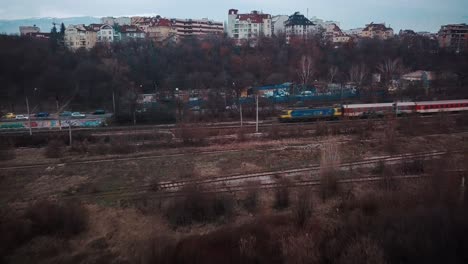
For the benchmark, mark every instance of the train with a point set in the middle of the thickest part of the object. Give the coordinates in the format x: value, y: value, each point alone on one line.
x: 372, y: 110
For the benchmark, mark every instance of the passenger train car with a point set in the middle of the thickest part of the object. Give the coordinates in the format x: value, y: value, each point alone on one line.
x: 373, y: 110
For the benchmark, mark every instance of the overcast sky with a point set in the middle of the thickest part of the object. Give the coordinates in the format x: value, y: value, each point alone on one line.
x: 415, y: 14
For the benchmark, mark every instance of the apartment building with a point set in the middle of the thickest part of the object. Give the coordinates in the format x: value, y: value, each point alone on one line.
x: 298, y: 25
x: 121, y: 21
x: 377, y: 31
x: 80, y: 36
x: 277, y: 24
x: 454, y: 36
x: 26, y: 30
x: 248, y: 26
x: 334, y: 34
x: 130, y: 33
x: 104, y: 33
x: 197, y: 27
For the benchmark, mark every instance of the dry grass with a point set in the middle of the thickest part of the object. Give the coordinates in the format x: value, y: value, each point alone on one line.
x: 54, y: 149
x: 330, y: 160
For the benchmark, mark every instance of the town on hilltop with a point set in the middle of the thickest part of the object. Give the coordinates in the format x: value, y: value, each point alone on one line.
x: 241, y: 27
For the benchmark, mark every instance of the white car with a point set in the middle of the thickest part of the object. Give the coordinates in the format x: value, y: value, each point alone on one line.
x: 21, y: 117
x: 77, y: 115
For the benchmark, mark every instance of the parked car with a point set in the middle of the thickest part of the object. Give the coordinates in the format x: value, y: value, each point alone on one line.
x: 10, y: 116
x: 77, y: 115
x: 21, y: 117
x: 66, y: 113
x: 42, y: 114
x: 99, y: 112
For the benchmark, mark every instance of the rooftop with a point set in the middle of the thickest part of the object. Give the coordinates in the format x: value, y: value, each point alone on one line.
x: 297, y: 19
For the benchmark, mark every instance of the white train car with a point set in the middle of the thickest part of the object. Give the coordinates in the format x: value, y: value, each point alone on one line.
x: 430, y: 107
x: 405, y: 108
x: 367, y: 110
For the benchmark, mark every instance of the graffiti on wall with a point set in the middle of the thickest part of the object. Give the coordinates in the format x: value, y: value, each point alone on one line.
x: 53, y: 124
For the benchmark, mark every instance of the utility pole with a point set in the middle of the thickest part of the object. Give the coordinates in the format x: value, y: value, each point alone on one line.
x: 70, y: 132
x: 58, y: 112
x: 113, y: 100
x: 29, y: 117
x: 256, y: 126
x: 240, y: 110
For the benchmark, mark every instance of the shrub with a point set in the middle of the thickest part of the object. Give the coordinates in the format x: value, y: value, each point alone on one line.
x: 191, y: 135
x: 250, y: 201
x: 14, y: 230
x: 329, y: 169
x: 363, y: 250
x: 281, y: 196
x: 241, y: 134
x: 54, y: 149
x: 197, y: 206
x: 49, y: 218
x: 157, y: 249
x: 321, y: 129
x: 101, y: 148
x: 7, y: 150
x: 303, y: 210
x: 121, y: 146
x: 274, y: 132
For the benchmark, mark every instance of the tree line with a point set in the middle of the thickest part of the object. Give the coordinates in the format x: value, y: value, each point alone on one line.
x: 45, y: 70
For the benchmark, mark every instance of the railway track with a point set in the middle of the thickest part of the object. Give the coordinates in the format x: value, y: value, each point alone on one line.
x: 233, y: 182
x: 209, y: 126
x: 149, y: 157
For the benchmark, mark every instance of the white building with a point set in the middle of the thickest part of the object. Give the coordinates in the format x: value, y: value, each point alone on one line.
x: 354, y: 31
x: 79, y: 36
x: 298, y: 25
x: 27, y: 30
x: 197, y: 27
x: 104, y: 33
x: 323, y: 23
x: 248, y: 26
x: 277, y: 24
x: 121, y: 21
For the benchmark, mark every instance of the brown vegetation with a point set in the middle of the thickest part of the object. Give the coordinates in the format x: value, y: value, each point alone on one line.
x: 54, y: 149
x: 45, y: 219
x: 329, y: 169
x: 7, y: 150
x: 198, y: 206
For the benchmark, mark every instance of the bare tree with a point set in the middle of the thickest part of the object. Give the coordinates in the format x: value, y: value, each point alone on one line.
x: 305, y: 70
x: 358, y: 73
x: 389, y: 68
x: 332, y: 71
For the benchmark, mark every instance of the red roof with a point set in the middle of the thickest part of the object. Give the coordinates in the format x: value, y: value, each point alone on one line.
x: 130, y: 29
x: 254, y: 17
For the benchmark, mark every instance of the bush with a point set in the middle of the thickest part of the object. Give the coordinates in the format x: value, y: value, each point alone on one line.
x: 40, y: 219
x: 250, y: 201
x: 121, y: 146
x: 191, y: 135
x: 157, y: 249
x: 14, y: 230
x: 321, y: 129
x: 64, y: 220
x: 54, y: 149
x: 7, y: 150
x: 303, y: 210
x: 274, y: 132
x: 329, y: 169
x: 241, y: 134
x: 197, y: 206
x: 281, y: 198
x: 363, y: 250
